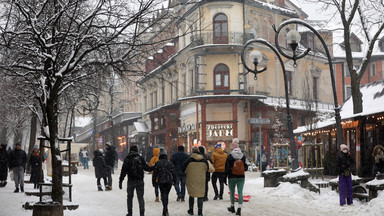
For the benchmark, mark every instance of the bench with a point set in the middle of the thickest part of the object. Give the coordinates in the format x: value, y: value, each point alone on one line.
x: 69, y: 186
x: 374, y: 186
x: 303, y: 177
x: 271, y: 177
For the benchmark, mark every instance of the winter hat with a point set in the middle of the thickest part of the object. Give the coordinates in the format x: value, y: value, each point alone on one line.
x: 101, y: 151
x: 235, y: 143
x: 134, y: 148
x: 18, y: 144
x: 180, y: 148
x: 109, y: 144
x: 162, y: 152
x: 218, y: 145
x: 343, y: 146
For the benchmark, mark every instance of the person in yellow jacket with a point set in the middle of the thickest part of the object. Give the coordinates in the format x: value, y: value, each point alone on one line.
x: 154, y: 159
x: 218, y: 159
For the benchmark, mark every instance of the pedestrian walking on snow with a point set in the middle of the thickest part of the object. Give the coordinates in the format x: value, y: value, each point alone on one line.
x: 178, y: 160
x: 195, y: 168
x: 218, y: 159
x: 164, y: 173
x: 85, y: 155
x: 344, y: 161
x: 17, y: 162
x: 133, y: 167
x: 235, y: 166
x: 101, y: 169
x: 110, y: 157
x: 34, y: 165
x: 154, y: 159
x: 203, y: 151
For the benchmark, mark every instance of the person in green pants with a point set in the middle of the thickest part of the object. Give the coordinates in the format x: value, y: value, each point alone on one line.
x: 235, y: 167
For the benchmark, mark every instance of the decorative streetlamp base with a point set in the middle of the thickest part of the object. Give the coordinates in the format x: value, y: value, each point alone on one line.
x: 47, y: 209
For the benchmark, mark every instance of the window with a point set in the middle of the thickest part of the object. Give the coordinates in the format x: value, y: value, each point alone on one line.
x: 220, y: 29
x: 373, y: 70
x: 349, y: 91
x: 315, y: 88
x: 145, y: 102
x: 176, y: 90
x: 347, y: 73
x: 289, y: 82
x: 171, y: 91
x: 162, y: 95
x: 221, y: 79
x: 155, y: 99
x: 184, y: 84
x: 311, y: 41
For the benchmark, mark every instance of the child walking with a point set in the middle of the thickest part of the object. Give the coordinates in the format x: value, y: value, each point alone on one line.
x: 164, y: 173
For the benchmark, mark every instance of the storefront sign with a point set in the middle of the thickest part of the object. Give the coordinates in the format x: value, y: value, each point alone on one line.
x: 186, y: 128
x: 219, y: 130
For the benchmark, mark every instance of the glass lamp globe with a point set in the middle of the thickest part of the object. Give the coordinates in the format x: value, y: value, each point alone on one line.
x: 256, y: 56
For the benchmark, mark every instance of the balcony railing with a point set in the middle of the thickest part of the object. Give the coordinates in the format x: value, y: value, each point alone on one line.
x: 209, y: 38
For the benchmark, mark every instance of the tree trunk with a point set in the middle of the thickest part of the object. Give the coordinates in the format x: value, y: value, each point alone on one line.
x: 57, y: 176
x: 3, y: 137
x: 356, y: 96
x: 32, y: 137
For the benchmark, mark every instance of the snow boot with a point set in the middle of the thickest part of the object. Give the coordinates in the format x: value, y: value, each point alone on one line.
x: 178, y: 198
x: 190, y: 211
x: 1, y: 184
x: 22, y: 188
x: 165, y: 212
x: 231, y: 209
x: 216, y: 197
x: 108, y: 188
x: 200, y: 212
x: 157, y: 199
x: 16, y: 191
x: 5, y: 183
x: 238, y: 211
x: 99, y: 188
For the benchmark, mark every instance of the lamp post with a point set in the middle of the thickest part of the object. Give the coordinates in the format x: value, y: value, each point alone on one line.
x: 256, y: 58
x: 293, y: 39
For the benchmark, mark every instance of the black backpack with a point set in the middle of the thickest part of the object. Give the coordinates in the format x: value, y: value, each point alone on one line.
x: 137, y: 167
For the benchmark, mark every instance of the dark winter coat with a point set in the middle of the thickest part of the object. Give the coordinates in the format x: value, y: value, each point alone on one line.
x: 163, y: 171
x: 178, y: 160
x: 3, y: 164
x: 133, y: 167
x: 110, y: 156
x: 344, y: 162
x: 379, y: 167
x: 195, y: 168
x: 34, y: 164
x: 101, y: 168
x: 234, y: 155
x: 17, y: 158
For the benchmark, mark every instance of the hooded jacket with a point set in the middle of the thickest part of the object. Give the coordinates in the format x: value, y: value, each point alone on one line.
x: 178, y: 160
x: 128, y: 167
x: 218, y: 159
x: 236, y: 154
x: 110, y: 156
x: 99, y: 164
x: 195, y: 168
x: 155, y: 157
x: 17, y: 158
x: 163, y: 171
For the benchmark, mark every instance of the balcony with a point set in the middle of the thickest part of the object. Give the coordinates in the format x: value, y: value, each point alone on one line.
x: 238, y: 38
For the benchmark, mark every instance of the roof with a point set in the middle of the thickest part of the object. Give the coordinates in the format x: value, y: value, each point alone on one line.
x: 373, y: 100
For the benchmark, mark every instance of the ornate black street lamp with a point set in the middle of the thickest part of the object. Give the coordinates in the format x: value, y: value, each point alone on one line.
x: 256, y: 58
x: 293, y: 39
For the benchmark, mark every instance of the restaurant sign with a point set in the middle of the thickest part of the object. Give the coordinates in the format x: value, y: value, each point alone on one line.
x: 219, y: 130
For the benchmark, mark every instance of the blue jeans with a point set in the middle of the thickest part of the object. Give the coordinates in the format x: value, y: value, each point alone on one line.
x: 85, y: 162
x: 180, y: 185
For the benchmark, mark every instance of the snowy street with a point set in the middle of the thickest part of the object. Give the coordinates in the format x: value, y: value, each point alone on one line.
x: 287, y: 199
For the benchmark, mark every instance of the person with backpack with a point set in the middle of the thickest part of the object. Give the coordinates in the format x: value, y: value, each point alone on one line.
x: 195, y: 168
x: 235, y: 166
x: 178, y: 160
x: 218, y: 159
x: 262, y: 158
x: 164, y: 173
x: 133, y: 167
x: 101, y: 169
x: 154, y: 159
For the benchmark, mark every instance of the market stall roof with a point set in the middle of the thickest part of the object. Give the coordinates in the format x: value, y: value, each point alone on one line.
x: 373, y: 100
x: 139, y: 128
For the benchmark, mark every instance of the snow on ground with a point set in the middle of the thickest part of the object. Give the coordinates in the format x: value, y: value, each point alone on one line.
x: 287, y: 199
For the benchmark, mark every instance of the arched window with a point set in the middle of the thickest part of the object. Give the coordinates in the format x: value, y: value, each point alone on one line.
x: 221, y: 79
x: 220, y: 29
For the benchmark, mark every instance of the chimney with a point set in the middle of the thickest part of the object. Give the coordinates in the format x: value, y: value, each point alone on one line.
x: 279, y: 3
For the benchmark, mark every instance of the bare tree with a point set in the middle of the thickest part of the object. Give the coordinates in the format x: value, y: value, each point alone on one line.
x: 50, y: 45
x: 365, y: 18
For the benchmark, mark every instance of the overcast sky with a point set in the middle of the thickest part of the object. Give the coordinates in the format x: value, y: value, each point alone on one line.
x: 313, y: 10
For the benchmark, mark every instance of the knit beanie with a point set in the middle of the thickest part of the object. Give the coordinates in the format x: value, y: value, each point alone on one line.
x: 235, y: 143
x: 343, y: 146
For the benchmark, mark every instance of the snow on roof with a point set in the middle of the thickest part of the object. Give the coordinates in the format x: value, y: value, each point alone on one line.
x: 82, y: 121
x: 141, y: 127
x: 373, y: 99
